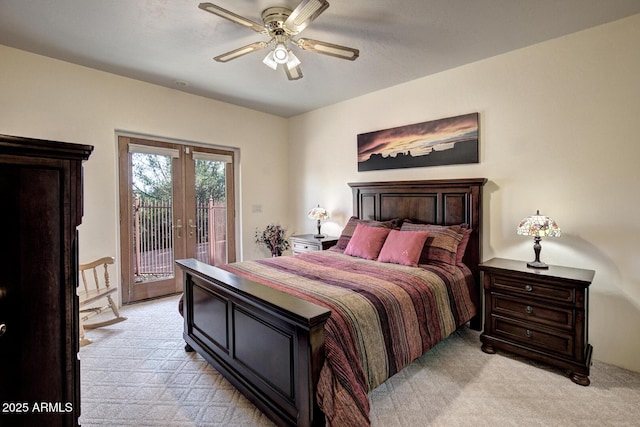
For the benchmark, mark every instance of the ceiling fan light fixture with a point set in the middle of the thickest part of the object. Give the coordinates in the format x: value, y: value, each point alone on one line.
x: 281, y: 53
x: 269, y: 61
x: 293, y: 61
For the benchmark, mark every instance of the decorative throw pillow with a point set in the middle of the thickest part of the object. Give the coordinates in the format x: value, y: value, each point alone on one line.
x: 403, y: 247
x: 441, y: 244
x: 366, y: 241
x: 348, y: 229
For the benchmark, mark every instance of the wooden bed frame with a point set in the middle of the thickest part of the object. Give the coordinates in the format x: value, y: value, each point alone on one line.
x: 224, y: 313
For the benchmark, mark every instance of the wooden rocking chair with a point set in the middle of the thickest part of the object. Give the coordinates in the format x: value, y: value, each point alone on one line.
x: 90, y: 294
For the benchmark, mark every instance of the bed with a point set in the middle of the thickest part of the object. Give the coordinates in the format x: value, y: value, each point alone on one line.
x: 306, y: 337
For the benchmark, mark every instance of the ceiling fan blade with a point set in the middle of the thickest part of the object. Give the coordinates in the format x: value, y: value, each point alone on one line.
x: 223, y: 13
x: 293, y: 74
x: 236, y: 53
x: 330, y: 49
x: 304, y: 14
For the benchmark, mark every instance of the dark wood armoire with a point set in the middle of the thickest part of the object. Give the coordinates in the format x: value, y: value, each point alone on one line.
x: 41, y: 207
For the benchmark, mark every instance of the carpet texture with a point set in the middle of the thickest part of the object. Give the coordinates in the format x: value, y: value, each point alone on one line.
x: 136, y: 373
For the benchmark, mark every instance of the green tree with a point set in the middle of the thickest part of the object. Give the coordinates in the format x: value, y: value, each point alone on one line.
x: 210, y: 181
x: 151, y: 176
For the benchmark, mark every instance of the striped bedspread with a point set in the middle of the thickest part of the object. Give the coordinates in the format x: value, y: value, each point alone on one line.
x: 383, y: 316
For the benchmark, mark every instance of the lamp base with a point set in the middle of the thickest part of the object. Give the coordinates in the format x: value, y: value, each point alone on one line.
x: 536, y: 250
x: 537, y: 264
x: 319, y: 236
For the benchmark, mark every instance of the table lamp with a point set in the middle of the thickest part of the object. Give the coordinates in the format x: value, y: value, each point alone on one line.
x: 538, y: 226
x: 318, y: 214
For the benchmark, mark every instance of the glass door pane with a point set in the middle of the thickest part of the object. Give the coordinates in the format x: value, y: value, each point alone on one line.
x: 152, y: 188
x: 211, y: 210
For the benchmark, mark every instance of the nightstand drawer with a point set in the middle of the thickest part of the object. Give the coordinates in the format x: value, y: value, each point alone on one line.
x: 533, y: 335
x: 530, y: 310
x: 302, y: 243
x: 532, y: 289
x: 305, y: 247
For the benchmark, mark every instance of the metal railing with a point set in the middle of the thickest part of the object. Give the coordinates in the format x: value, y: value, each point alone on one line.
x: 211, y: 228
x: 154, y: 240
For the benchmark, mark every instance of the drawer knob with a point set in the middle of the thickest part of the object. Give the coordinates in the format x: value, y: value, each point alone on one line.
x: 528, y: 288
x: 528, y: 333
x: 529, y: 309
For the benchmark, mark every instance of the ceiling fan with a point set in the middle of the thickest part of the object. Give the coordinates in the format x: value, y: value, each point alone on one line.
x: 281, y: 25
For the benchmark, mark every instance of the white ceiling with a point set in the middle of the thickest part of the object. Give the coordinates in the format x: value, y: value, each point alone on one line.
x: 169, y: 41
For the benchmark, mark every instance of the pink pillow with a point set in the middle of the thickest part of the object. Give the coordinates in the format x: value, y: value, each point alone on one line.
x: 403, y: 247
x: 348, y: 230
x: 366, y: 241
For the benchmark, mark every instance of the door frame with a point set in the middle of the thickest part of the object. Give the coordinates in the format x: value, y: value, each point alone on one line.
x: 125, y: 213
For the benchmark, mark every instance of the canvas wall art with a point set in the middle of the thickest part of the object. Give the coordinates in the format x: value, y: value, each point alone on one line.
x: 449, y: 141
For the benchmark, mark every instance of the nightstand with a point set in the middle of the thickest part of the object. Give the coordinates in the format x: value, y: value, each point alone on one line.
x: 307, y: 243
x: 539, y: 314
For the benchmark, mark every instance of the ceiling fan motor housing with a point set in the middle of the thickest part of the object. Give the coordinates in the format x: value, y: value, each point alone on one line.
x: 274, y: 18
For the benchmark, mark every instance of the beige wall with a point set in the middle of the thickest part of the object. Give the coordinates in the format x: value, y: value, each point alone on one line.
x: 49, y: 99
x: 559, y: 133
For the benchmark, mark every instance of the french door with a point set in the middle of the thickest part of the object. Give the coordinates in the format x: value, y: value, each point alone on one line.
x: 176, y: 201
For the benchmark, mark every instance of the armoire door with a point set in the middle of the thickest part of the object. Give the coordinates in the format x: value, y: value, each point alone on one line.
x: 40, y: 188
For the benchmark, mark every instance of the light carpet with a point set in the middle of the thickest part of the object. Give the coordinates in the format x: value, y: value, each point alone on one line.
x: 136, y: 373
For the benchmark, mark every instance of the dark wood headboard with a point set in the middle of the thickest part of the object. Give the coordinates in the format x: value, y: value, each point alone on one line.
x: 442, y: 202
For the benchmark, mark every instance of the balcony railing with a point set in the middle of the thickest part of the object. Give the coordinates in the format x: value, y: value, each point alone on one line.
x: 154, y: 239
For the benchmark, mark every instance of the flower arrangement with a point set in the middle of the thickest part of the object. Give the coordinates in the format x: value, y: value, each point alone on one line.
x: 274, y: 237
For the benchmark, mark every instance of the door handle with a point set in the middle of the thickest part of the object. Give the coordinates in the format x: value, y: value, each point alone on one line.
x: 179, y: 228
x: 191, y: 227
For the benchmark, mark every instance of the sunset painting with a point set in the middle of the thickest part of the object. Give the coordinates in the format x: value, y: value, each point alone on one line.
x: 453, y: 140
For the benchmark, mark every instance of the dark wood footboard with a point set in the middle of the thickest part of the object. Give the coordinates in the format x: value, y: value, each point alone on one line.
x: 268, y: 344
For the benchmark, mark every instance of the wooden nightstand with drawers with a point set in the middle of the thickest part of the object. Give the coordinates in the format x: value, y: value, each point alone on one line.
x: 541, y: 314
x: 307, y: 243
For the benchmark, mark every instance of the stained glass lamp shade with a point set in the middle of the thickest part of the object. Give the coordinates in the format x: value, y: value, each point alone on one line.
x: 538, y: 226
x: 318, y: 214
